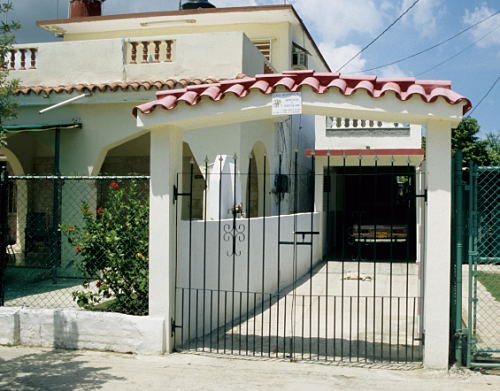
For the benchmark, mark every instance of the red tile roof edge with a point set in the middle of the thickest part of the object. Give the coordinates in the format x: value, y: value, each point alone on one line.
x: 319, y: 82
x: 114, y: 86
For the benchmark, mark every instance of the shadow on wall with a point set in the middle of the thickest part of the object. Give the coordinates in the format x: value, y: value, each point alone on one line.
x: 57, y: 371
x: 65, y: 332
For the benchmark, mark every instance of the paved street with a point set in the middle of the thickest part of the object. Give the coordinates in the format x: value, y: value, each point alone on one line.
x: 41, y: 369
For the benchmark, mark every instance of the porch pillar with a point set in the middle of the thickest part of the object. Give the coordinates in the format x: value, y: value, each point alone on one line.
x: 438, y: 242
x: 166, y: 162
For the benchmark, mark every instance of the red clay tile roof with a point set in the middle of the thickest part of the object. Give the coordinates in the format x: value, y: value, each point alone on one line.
x: 116, y: 86
x: 403, y: 88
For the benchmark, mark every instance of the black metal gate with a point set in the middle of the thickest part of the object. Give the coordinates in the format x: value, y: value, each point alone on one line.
x: 270, y: 277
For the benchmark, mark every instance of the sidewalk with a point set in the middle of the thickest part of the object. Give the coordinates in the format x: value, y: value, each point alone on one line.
x: 42, y: 369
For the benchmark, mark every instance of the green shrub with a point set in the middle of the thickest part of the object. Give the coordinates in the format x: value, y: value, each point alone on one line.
x: 112, y: 248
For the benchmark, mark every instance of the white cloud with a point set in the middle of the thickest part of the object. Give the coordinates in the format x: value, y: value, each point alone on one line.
x: 233, y: 3
x: 475, y: 16
x: 424, y: 16
x: 393, y: 71
x: 335, y: 20
x: 337, y: 56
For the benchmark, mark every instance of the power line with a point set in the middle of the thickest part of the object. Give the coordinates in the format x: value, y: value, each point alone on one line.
x: 378, y: 36
x: 485, y: 95
x: 458, y: 53
x: 433, y: 46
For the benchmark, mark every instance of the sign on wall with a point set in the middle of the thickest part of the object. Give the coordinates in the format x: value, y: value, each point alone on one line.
x: 287, y: 103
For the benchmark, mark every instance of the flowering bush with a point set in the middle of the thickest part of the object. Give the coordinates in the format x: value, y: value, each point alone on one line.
x: 111, y: 246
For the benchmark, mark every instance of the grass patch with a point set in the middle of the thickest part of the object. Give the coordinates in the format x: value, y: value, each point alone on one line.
x: 107, y: 306
x: 491, y: 281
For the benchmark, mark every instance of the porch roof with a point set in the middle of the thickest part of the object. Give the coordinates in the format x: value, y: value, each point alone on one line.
x: 320, y: 83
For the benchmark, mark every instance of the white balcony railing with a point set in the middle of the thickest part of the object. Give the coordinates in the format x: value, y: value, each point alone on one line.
x: 151, y: 51
x: 21, y: 59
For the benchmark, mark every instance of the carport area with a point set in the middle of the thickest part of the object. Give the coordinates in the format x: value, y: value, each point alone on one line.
x: 388, y: 294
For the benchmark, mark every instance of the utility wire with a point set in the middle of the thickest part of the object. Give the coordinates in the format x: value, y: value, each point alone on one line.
x: 485, y: 96
x: 433, y: 46
x: 458, y: 53
x: 378, y: 36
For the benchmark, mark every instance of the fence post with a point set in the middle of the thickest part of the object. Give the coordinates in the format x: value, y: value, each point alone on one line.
x: 3, y: 226
x: 471, y: 258
x: 459, y: 247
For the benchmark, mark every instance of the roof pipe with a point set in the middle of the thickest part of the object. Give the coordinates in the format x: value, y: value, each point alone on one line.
x: 64, y: 102
x: 84, y: 8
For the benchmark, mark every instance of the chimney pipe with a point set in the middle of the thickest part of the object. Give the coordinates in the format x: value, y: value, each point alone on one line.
x: 194, y: 4
x: 83, y: 8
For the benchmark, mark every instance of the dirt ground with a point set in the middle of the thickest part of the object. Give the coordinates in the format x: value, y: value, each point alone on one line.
x: 42, y: 369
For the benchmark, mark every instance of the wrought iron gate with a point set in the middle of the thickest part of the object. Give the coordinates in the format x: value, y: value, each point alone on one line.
x: 269, y: 277
x: 477, y: 265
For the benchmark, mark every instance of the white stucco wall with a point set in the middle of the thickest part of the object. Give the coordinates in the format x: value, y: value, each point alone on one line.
x: 71, y: 329
x: 205, y: 261
x: 215, y: 55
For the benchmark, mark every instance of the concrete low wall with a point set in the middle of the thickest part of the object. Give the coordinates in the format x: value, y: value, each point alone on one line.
x: 70, y: 329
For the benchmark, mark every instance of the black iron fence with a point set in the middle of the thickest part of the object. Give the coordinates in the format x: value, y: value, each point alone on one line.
x: 76, y: 242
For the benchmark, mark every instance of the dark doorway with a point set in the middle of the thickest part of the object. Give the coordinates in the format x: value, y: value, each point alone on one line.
x: 371, y: 213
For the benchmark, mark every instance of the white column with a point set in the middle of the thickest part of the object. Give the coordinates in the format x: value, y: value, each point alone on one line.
x: 438, y: 244
x: 166, y: 162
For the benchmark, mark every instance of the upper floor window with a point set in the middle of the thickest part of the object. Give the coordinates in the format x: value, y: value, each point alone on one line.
x: 264, y: 47
x: 299, y: 57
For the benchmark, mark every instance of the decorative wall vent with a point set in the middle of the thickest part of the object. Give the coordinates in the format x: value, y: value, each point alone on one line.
x: 361, y: 126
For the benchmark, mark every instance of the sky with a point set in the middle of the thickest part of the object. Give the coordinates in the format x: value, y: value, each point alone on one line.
x: 342, y: 27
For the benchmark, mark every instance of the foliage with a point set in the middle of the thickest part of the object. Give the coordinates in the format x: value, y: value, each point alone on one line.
x: 493, y: 147
x: 8, y: 107
x: 465, y: 138
x: 112, y: 246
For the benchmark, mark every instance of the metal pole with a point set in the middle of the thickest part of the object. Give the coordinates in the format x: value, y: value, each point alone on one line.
x: 56, y: 208
x: 459, y: 246
x: 3, y: 227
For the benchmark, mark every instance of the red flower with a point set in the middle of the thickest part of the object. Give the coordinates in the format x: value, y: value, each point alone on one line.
x: 98, y: 284
x: 78, y: 249
x: 99, y: 210
x: 114, y: 185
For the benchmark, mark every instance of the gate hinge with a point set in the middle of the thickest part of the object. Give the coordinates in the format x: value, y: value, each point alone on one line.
x: 424, y: 196
x: 174, y: 326
x: 177, y: 194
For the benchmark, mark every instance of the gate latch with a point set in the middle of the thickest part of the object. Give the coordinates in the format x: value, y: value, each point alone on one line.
x: 173, y: 326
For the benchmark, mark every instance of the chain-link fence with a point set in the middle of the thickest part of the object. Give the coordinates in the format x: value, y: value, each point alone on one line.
x: 486, y: 286
x: 77, y: 242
